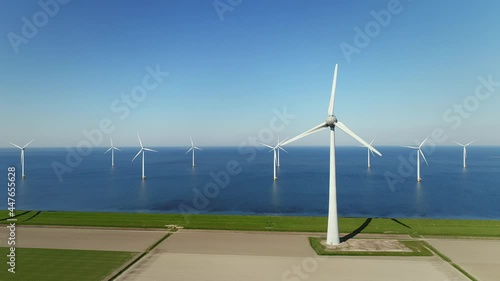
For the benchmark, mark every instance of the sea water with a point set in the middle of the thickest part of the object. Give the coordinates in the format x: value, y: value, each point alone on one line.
x: 387, y: 189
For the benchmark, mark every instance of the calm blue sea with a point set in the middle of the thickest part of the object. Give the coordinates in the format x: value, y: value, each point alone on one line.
x: 173, y: 186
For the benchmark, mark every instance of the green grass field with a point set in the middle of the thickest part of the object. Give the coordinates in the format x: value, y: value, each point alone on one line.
x: 414, y: 227
x: 54, y: 265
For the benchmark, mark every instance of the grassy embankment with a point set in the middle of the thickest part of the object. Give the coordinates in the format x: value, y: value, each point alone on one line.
x: 413, y: 227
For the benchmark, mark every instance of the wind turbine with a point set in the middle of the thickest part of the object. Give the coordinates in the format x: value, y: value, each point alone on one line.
x: 370, y: 152
x: 22, y: 155
x: 278, y: 151
x: 465, y: 150
x: 142, y: 150
x: 419, y: 152
x: 276, y: 158
x: 332, y: 237
x: 193, y: 148
x: 112, y: 148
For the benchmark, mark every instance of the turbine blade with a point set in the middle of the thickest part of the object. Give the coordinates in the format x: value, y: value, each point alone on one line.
x: 306, y: 133
x: 148, y: 149
x: 421, y: 153
x: 412, y: 147
x: 459, y: 143
x: 140, y: 140
x: 16, y: 145
x: 28, y: 143
x: 188, y: 151
x: 344, y: 128
x: 111, y: 139
x: 280, y: 142
x: 371, y: 152
x: 266, y: 145
x: 192, y: 144
x: 138, y: 153
x: 332, y: 97
x: 116, y: 148
x: 470, y: 143
x: 424, y: 141
x: 108, y: 150
x: 195, y: 147
x: 373, y: 140
x: 282, y: 149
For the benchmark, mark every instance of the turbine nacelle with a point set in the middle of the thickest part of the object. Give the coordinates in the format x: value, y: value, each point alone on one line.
x: 331, y: 120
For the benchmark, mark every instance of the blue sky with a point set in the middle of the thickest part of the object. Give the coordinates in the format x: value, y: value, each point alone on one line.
x: 226, y: 75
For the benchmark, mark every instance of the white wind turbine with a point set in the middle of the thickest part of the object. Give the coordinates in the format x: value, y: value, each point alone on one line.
x: 143, y: 149
x: 465, y: 151
x: 276, y: 156
x: 193, y: 148
x: 370, y: 152
x: 22, y: 155
x: 112, y: 148
x: 278, y: 151
x: 419, y: 152
x: 331, y: 122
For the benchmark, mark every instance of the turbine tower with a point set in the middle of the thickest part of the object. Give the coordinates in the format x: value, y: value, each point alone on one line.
x: 465, y: 151
x: 112, y: 149
x: 331, y: 122
x: 193, y: 148
x: 276, y: 156
x: 419, y: 152
x: 22, y: 156
x: 143, y: 149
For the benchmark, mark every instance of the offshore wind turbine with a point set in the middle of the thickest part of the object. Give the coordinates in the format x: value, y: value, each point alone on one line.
x: 112, y: 148
x: 193, y: 148
x: 22, y: 155
x: 370, y: 152
x: 465, y: 151
x: 332, y: 237
x: 143, y: 149
x: 275, y: 158
x: 419, y: 152
x: 278, y: 151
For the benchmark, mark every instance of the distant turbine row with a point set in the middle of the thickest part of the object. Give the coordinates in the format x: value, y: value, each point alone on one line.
x: 143, y: 150
x: 276, y: 150
x: 112, y: 149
